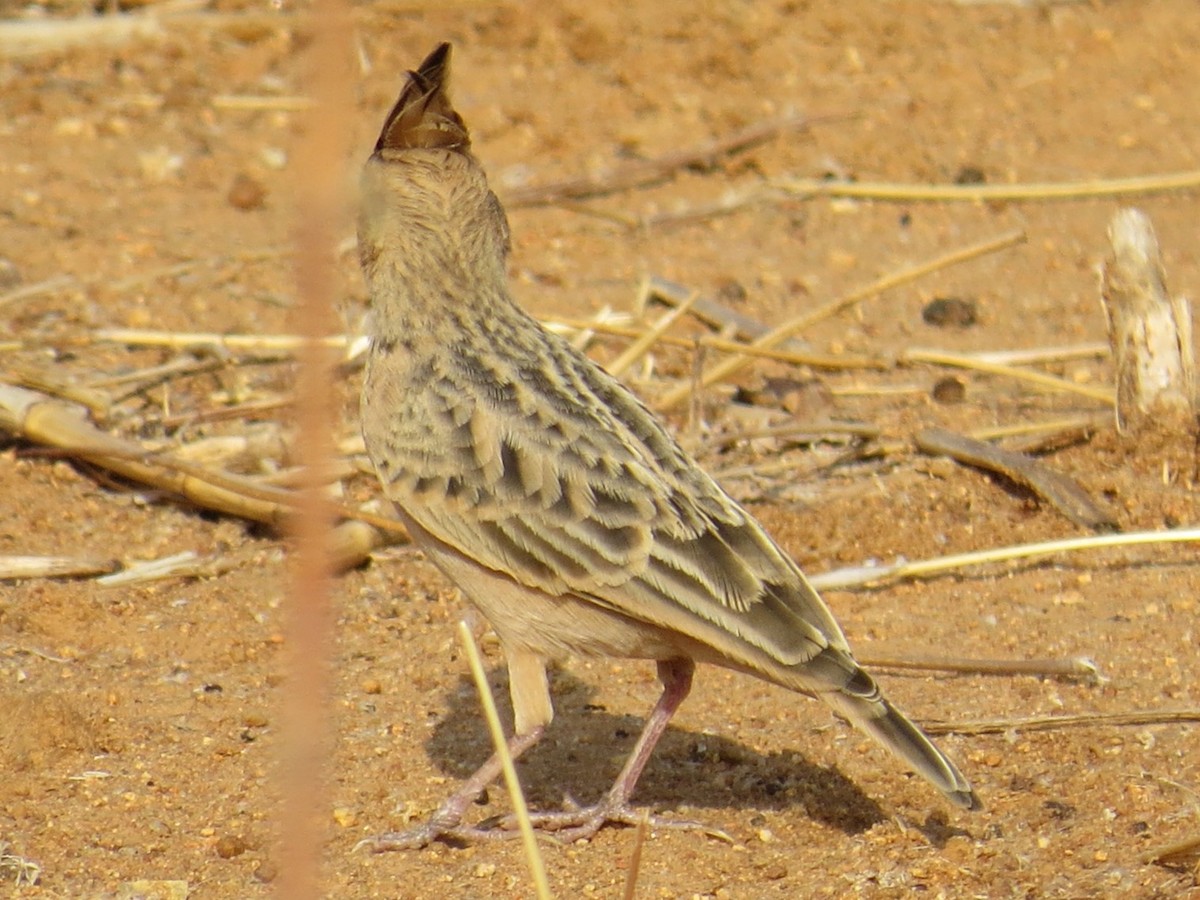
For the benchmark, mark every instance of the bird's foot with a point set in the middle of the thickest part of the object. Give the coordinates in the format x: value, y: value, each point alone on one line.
x: 436, y: 829
x: 565, y: 826
x: 570, y: 825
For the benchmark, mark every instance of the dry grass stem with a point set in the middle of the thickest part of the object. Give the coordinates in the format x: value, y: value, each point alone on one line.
x: 798, y: 432
x: 977, y: 193
x: 13, y: 568
x: 1057, y: 489
x: 731, y: 366
x: 861, y: 576
x: 798, y: 358
x: 51, y: 384
x: 33, y: 36
x: 717, y: 314
x: 1040, y: 379
x: 181, y: 565
x: 1177, y: 852
x: 48, y: 286
x: 533, y: 855
x: 642, y: 344
x: 254, y: 409
x: 648, y: 171
x: 1052, y: 723
x: 54, y: 423
x: 1079, y: 667
x: 183, y: 340
x: 1036, y: 355
x: 1039, y: 430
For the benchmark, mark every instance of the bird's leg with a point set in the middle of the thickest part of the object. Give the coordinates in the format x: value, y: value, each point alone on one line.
x: 446, y: 823
x: 577, y: 824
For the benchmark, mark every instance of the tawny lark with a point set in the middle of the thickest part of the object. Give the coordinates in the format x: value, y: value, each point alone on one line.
x: 559, y: 505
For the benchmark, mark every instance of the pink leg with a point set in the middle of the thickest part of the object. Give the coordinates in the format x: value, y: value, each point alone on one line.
x: 574, y: 825
x: 568, y: 825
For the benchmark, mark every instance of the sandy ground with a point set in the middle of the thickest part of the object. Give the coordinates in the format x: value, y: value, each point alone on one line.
x: 141, y: 724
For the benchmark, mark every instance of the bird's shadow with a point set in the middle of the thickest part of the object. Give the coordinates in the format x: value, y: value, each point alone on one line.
x: 585, y: 746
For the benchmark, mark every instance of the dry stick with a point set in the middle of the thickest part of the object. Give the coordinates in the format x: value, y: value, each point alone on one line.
x: 643, y: 172
x: 55, y: 423
x: 1039, y: 430
x: 641, y: 345
x: 876, y: 575
x: 248, y: 410
x: 1079, y: 190
x: 13, y: 568
x: 1050, y: 723
x: 533, y: 856
x: 1150, y: 331
x: 180, y: 340
x: 26, y: 38
x: 1074, y: 667
x: 1043, y: 437
x: 789, y: 328
x: 799, y: 432
x: 25, y: 291
x: 799, y: 358
x: 1043, y: 354
x: 1041, y: 379
x: 288, y: 343
x: 98, y: 403
x: 717, y: 314
x: 1178, y: 850
x: 1063, y: 493
x: 180, y: 565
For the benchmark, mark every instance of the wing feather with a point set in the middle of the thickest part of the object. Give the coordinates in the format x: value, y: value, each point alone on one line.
x: 555, y: 474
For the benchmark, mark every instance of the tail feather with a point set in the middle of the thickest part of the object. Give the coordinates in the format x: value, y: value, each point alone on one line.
x: 860, y: 700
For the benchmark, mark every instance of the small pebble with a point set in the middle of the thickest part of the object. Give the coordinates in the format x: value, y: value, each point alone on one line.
x: 944, y: 312
x: 949, y: 390
x: 970, y: 175
x: 246, y: 193
x: 230, y: 845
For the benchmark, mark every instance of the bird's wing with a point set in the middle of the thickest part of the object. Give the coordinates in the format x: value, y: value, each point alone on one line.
x: 556, y: 475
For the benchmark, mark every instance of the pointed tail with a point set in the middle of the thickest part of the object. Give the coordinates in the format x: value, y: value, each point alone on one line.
x: 861, y: 702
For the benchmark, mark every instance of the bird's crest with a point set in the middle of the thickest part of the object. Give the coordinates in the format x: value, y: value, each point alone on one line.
x: 423, y: 117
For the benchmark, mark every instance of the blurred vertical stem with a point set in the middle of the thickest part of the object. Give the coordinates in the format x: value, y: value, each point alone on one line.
x: 320, y: 207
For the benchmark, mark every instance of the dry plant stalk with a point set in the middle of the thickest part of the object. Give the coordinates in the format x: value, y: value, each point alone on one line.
x: 1052, y: 723
x: 1075, y: 667
x: 14, y: 568
x: 65, y: 426
x: 773, y: 338
x: 533, y: 856
x: 1060, y: 490
x: 1150, y: 331
x: 648, y: 171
